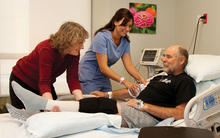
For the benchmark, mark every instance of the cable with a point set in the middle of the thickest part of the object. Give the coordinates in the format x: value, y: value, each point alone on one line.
x: 197, y: 28
x: 195, y: 33
x: 191, y: 42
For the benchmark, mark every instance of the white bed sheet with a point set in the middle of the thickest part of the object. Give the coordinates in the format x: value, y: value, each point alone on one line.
x: 11, y: 128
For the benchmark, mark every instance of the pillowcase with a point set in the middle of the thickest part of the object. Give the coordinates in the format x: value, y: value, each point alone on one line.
x: 55, y: 124
x: 203, y: 85
x: 216, y: 81
x: 203, y: 67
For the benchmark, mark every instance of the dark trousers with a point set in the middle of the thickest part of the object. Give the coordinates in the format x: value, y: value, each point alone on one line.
x: 95, y: 105
x: 15, y: 101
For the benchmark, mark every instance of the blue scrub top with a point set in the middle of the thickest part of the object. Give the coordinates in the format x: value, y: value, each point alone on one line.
x: 104, y: 44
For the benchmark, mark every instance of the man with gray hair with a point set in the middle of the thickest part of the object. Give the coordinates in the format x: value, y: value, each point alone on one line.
x: 166, y: 95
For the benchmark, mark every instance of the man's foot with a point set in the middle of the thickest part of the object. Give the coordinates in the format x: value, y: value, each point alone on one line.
x: 19, y: 114
x: 32, y: 102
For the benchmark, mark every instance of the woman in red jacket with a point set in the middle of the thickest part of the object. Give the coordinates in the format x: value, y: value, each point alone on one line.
x: 38, y: 71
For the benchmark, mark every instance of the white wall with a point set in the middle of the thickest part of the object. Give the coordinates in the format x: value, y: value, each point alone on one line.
x: 24, y: 23
x: 14, y: 26
x: 103, y: 10
x: 14, y: 37
x: 46, y: 16
x: 185, y: 24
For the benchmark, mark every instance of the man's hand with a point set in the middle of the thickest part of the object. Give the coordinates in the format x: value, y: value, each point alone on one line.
x: 99, y: 94
x: 132, y: 103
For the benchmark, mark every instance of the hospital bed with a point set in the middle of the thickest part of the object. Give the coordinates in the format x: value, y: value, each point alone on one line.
x: 202, y: 111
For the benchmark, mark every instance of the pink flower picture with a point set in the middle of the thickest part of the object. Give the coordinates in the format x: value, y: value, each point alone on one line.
x: 144, y: 18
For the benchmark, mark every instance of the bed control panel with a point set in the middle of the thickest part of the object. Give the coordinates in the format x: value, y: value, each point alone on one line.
x: 211, y: 101
x: 203, y: 110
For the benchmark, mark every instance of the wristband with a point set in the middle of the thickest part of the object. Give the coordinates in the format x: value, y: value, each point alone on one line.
x: 132, y: 94
x: 121, y: 80
x: 142, y: 87
x: 140, y: 104
x: 109, y: 95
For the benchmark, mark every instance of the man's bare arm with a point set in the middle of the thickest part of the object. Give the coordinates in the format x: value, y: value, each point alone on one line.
x: 117, y: 94
x: 160, y: 112
x: 165, y: 112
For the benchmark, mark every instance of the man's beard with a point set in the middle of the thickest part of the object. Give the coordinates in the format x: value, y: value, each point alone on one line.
x: 168, y: 70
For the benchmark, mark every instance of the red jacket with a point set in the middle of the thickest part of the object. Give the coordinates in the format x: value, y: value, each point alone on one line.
x: 43, y: 65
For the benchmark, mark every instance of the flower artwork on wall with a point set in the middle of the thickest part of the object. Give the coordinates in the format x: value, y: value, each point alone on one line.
x: 144, y: 18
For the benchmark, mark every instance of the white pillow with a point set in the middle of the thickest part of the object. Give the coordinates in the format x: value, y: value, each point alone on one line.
x: 216, y: 81
x: 203, y: 85
x: 54, y: 124
x: 203, y: 67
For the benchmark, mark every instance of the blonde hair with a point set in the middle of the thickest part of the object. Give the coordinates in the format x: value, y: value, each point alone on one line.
x: 68, y: 34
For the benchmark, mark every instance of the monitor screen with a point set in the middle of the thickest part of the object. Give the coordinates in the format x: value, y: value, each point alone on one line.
x: 149, y: 55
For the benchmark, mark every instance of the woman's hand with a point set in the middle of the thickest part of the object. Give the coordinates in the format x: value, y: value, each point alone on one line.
x: 55, y: 109
x: 47, y: 95
x: 99, y: 94
x: 133, y: 87
x: 77, y: 94
x: 143, y: 81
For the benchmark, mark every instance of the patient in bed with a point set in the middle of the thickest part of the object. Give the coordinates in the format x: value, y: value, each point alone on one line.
x: 166, y: 95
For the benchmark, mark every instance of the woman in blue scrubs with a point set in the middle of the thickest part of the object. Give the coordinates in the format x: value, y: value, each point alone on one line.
x: 109, y: 45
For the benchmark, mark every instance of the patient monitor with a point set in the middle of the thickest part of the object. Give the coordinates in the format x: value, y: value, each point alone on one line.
x: 203, y: 110
x: 151, y: 58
